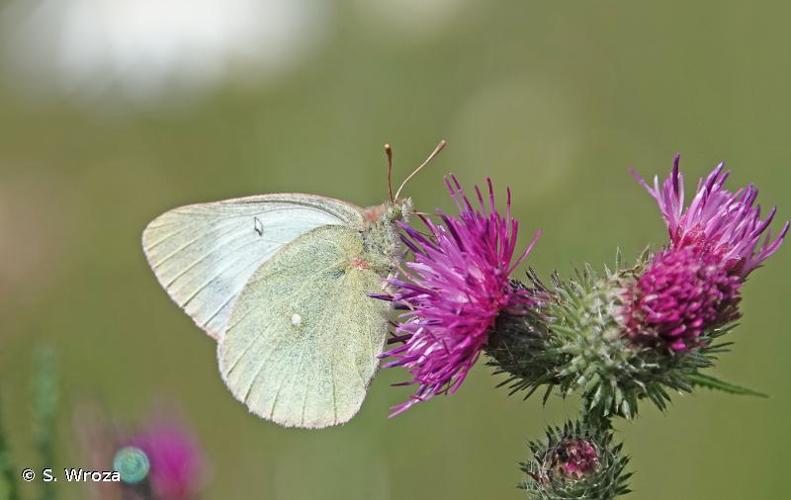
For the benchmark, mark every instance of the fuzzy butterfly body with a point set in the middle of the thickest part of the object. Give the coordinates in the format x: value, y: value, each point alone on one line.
x: 283, y: 283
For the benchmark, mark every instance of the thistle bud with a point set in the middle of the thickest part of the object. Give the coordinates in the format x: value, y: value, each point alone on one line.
x: 575, y: 461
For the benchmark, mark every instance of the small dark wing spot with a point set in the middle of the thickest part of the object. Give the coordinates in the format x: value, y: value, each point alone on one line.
x: 258, y: 226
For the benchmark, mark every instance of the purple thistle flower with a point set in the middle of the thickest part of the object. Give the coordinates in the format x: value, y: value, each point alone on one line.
x: 717, y: 221
x: 693, y: 284
x: 680, y: 295
x: 175, y: 458
x: 454, y: 290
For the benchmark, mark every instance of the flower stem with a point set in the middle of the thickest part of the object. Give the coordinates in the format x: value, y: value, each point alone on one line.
x: 8, y: 481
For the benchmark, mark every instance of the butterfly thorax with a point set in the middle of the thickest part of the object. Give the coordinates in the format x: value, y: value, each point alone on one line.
x: 380, y: 235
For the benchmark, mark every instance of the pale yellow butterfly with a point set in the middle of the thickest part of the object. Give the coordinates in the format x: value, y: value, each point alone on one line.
x: 283, y: 283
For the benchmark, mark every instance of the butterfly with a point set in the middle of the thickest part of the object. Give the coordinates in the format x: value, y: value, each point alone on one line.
x: 283, y: 283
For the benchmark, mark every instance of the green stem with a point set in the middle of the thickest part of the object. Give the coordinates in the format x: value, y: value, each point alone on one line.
x: 594, y: 418
x: 45, y: 400
x: 8, y: 480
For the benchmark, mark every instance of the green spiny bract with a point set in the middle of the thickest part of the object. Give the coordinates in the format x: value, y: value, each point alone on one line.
x: 522, y: 345
x: 575, y: 342
x: 576, y: 461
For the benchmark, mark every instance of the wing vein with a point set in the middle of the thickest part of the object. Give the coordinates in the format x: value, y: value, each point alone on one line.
x: 223, y: 224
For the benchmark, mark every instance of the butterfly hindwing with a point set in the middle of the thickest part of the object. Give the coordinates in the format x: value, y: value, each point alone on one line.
x: 303, y: 337
x: 204, y: 254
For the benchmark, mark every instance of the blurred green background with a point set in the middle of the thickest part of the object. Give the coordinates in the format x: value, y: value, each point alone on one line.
x: 555, y: 99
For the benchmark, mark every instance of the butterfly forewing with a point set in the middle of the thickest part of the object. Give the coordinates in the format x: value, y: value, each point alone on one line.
x: 303, y: 337
x: 204, y: 254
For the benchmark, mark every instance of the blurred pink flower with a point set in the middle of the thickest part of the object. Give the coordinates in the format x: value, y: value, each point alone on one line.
x: 176, y: 460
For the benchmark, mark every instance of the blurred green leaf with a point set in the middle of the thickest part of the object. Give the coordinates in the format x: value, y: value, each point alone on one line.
x: 8, y: 474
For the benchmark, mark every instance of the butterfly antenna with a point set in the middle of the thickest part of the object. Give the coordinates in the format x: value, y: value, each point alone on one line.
x: 433, y: 154
x: 389, y: 156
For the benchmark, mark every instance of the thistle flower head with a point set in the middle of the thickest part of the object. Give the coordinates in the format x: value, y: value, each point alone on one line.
x: 175, y: 460
x: 578, y: 336
x: 576, y: 461
x: 454, y: 291
x: 693, y: 284
x: 679, y: 296
x: 717, y: 221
